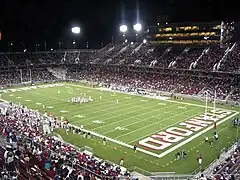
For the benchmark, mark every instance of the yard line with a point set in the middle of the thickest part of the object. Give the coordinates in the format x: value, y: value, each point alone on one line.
x: 122, y: 109
x: 132, y: 116
x: 93, y: 117
x: 165, y: 107
x: 99, y: 107
x: 109, y: 110
x: 157, y: 122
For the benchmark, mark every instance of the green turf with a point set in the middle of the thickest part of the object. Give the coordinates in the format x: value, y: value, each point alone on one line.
x: 130, y: 120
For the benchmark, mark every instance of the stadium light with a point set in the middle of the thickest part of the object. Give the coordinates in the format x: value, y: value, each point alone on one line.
x: 123, y: 28
x: 137, y: 27
x: 76, y: 30
x: 144, y: 41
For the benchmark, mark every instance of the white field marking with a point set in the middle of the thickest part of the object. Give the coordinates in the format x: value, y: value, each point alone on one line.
x: 194, y: 136
x: 119, y: 128
x: 4, y: 100
x: 127, y: 97
x: 18, y: 97
x: 144, y: 100
x: 132, y: 117
x: 98, y: 122
x: 170, y: 117
x: 162, y: 104
x: 110, y: 111
x: 182, y: 107
x: 116, y: 107
x: 63, y: 111
x: 96, y: 104
x: 38, y: 103
x: 49, y: 107
x: 94, y: 117
x: 145, y: 119
x: 30, y: 88
x: 11, y: 94
x: 28, y: 100
x: 79, y: 116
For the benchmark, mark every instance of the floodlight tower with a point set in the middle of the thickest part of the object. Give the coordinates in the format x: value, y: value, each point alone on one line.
x: 75, y: 30
x: 137, y: 27
x: 123, y: 29
x: 74, y: 44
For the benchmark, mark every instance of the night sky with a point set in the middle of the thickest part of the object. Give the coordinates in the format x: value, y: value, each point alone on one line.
x: 36, y: 21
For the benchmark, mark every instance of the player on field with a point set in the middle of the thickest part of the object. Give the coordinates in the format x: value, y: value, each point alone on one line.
x: 104, y: 141
x: 199, y: 159
x: 215, y: 135
x: 121, y: 161
x: 135, y: 148
x: 206, y: 139
x: 184, y: 154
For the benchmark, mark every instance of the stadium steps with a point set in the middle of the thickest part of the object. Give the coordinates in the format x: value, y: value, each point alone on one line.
x: 230, y: 94
x: 194, y: 64
x: 59, y: 74
x: 223, y: 59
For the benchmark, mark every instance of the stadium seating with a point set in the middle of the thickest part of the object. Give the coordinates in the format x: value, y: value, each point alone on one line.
x: 184, y: 69
x: 232, y: 61
x: 229, y: 168
x: 195, y: 57
x: 35, y: 151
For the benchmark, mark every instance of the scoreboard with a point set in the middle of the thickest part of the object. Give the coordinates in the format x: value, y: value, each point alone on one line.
x: 187, y: 33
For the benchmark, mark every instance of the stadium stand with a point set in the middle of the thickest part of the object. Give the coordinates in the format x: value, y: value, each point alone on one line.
x: 183, y: 69
x: 32, y: 154
x: 195, y: 57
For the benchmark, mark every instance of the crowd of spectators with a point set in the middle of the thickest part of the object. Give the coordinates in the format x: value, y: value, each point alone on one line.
x: 199, y: 57
x: 30, y: 153
x: 232, y: 62
x: 229, y: 169
x: 17, y: 76
x: 175, y: 82
x: 211, y: 57
x: 172, y: 81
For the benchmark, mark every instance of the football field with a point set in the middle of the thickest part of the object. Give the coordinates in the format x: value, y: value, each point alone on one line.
x: 159, y: 127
